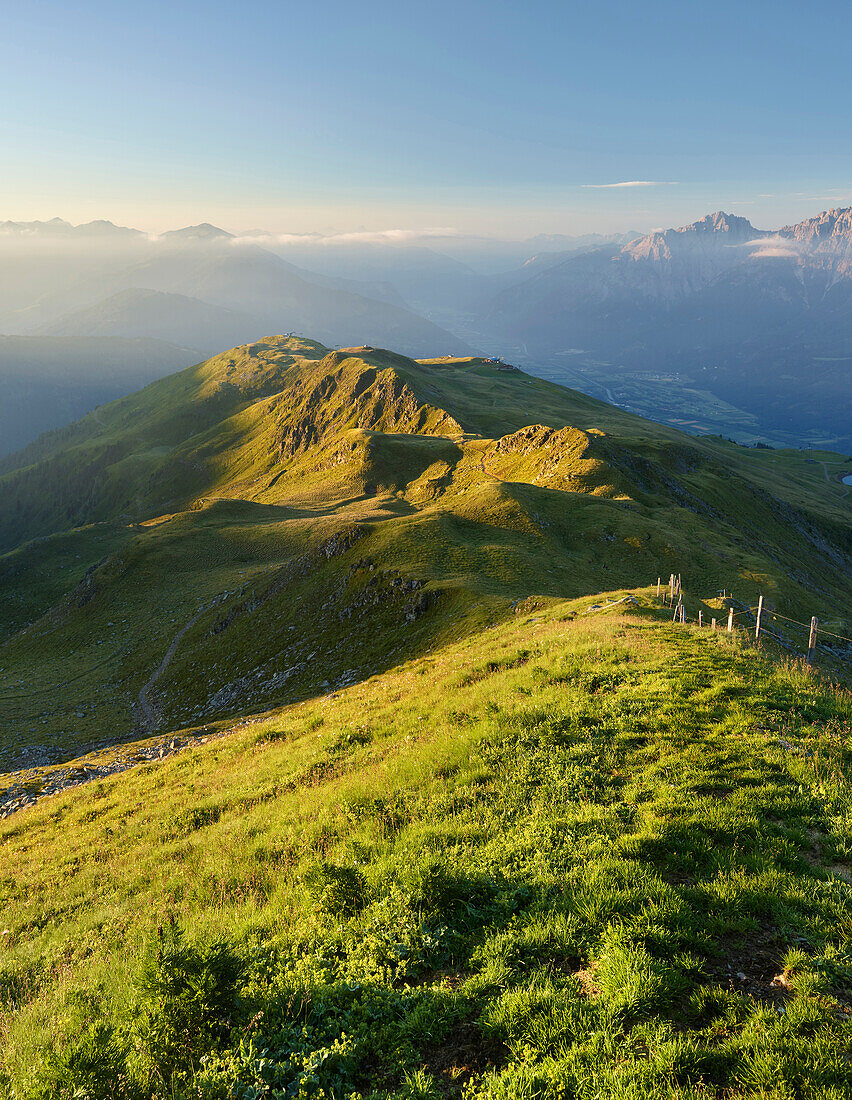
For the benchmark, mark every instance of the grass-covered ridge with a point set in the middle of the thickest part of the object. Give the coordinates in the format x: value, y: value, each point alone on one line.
x: 577, y: 855
x: 167, y: 559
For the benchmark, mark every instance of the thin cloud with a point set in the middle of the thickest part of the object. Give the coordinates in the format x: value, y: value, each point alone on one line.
x: 776, y: 246
x: 378, y: 236
x: 630, y: 183
x: 775, y: 253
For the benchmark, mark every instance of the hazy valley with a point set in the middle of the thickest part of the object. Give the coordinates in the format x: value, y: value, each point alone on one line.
x: 716, y: 327
x: 711, y: 315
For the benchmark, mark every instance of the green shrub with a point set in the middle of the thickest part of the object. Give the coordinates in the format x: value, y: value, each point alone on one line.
x: 291, y: 1063
x: 439, y: 891
x: 187, y: 996
x: 194, y: 818
x: 340, y: 891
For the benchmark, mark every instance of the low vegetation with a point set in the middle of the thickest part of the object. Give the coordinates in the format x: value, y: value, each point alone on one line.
x: 586, y: 855
x: 383, y: 798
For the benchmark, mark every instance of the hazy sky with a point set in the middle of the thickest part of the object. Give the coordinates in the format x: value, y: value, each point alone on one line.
x: 476, y: 115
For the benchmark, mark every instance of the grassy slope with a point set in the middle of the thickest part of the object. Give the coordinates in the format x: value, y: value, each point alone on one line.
x: 567, y: 857
x: 144, y: 448
x: 265, y: 452
x: 122, y: 458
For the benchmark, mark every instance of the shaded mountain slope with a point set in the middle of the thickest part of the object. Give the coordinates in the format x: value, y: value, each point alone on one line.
x: 278, y: 296
x: 174, y: 318
x: 49, y: 381
x: 429, y: 281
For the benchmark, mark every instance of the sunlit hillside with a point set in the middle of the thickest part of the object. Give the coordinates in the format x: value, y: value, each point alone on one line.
x: 283, y: 519
x: 582, y: 853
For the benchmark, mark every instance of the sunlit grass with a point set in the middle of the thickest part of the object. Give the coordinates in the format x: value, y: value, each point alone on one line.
x: 598, y: 856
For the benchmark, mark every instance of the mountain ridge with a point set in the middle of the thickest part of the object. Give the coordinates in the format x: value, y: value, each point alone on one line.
x: 663, y: 244
x: 283, y: 501
x: 59, y: 227
x: 830, y: 223
x: 165, y: 315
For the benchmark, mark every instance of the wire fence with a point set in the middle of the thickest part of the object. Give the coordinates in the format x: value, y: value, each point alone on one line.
x: 806, y: 626
x: 759, y: 617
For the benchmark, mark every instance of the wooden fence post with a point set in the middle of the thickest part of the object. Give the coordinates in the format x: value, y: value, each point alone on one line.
x: 812, y: 641
x: 701, y: 618
x: 730, y: 620
x: 712, y: 624
x: 658, y: 586
x: 759, y: 617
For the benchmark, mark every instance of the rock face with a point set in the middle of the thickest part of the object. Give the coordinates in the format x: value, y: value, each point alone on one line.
x: 764, y: 308
x: 709, y: 234
x: 669, y: 266
x: 343, y: 393
x: 821, y: 249
x: 832, y: 226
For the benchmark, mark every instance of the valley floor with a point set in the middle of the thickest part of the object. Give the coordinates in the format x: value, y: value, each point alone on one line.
x: 577, y: 855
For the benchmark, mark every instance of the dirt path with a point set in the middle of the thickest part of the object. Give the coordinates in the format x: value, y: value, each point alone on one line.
x: 150, y: 716
x: 482, y: 467
x: 837, y: 479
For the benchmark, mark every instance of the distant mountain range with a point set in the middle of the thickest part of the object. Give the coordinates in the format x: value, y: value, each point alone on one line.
x: 207, y: 284
x: 57, y: 227
x: 715, y: 326
x: 208, y: 295
x: 762, y: 319
x: 595, y: 296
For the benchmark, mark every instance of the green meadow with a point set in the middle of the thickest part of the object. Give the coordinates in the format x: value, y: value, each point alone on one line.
x: 189, y: 519
x: 579, y: 855
x: 451, y: 807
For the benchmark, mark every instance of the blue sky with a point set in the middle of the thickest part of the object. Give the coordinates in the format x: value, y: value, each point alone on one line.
x: 483, y: 117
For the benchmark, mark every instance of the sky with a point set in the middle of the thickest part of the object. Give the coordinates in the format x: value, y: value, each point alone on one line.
x: 472, y: 116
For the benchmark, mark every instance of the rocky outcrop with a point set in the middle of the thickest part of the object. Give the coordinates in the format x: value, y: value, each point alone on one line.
x: 32, y: 785
x: 560, y: 458
x: 350, y: 393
